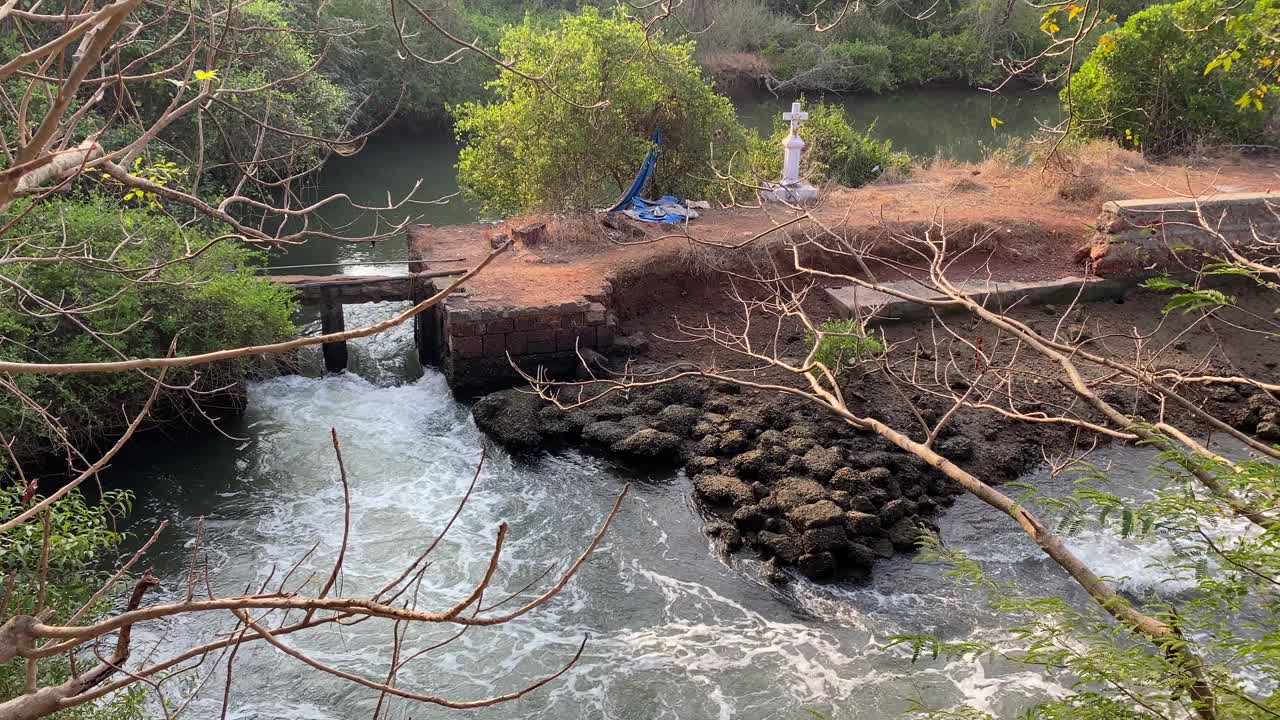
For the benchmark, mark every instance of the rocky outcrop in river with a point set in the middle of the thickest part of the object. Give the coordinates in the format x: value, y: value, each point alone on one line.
x: 776, y: 475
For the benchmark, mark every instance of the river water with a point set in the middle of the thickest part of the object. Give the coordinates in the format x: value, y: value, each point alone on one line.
x: 675, y: 630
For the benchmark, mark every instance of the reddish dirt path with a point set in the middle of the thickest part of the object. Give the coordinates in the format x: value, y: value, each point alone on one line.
x: 1039, y: 230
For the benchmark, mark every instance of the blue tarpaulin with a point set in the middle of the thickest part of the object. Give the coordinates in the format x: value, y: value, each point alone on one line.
x: 667, y: 209
x: 642, y: 178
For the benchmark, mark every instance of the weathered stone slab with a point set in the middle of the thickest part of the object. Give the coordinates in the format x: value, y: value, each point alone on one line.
x: 1135, y: 237
x: 857, y: 301
x: 1226, y: 212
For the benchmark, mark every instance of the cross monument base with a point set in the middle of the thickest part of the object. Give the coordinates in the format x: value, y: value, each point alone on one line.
x: 799, y: 192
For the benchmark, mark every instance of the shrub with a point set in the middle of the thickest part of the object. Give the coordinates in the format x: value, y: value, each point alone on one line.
x: 855, y: 65
x: 210, y: 302
x: 1146, y: 84
x: 834, y: 150
x: 844, y: 343
x: 960, y: 58
x: 79, y: 532
x: 372, y: 63
x: 532, y: 150
x: 269, y: 65
x: 736, y: 26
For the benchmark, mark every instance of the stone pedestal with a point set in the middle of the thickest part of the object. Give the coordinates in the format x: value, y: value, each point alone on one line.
x: 797, y: 193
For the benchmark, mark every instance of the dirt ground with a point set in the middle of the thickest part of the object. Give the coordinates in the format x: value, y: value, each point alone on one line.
x: 1040, y: 218
x: 751, y: 451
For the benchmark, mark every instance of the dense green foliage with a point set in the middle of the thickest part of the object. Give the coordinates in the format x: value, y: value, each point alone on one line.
x: 532, y: 149
x: 79, y: 532
x: 1151, y: 84
x: 834, y: 152
x: 878, y: 47
x: 388, y: 82
x: 881, y: 60
x: 270, y: 66
x: 141, y: 301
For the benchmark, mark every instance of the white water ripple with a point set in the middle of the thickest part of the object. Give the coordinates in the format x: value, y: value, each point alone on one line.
x: 674, y: 631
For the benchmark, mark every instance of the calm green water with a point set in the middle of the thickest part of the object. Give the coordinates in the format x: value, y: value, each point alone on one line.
x: 954, y: 123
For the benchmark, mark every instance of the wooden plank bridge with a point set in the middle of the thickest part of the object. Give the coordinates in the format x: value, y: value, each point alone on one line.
x: 331, y: 292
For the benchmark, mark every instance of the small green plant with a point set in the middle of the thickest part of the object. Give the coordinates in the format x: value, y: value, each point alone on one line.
x: 160, y: 172
x: 842, y: 343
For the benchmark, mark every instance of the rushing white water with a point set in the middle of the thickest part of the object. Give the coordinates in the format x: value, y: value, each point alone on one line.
x: 675, y: 631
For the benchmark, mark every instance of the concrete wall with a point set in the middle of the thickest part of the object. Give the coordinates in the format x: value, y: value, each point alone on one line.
x: 1134, y: 235
x: 476, y: 341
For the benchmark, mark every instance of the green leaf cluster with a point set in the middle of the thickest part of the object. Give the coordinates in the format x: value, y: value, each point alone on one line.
x: 148, y: 295
x: 1148, y: 79
x: 79, y: 533
x: 531, y: 150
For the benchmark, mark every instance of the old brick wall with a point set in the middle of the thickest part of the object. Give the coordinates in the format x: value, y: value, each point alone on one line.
x: 477, y: 340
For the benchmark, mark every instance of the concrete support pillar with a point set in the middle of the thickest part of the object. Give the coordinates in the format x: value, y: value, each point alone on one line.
x: 332, y: 321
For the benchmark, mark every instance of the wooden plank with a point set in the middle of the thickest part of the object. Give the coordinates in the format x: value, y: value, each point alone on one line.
x: 316, y: 289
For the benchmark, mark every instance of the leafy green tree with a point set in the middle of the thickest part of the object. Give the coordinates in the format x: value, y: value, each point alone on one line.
x: 572, y: 124
x: 307, y: 105
x: 389, y: 82
x: 1255, y: 56
x: 1152, y: 85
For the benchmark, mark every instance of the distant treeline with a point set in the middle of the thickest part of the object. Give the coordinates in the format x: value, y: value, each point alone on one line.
x: 743, y: 44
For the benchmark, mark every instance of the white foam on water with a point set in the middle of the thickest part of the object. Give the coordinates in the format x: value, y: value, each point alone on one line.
x: 674, y: 632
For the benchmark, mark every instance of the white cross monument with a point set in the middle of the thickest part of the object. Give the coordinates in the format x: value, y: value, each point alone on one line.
x: 792, y: 188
